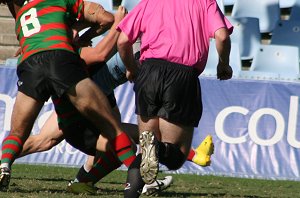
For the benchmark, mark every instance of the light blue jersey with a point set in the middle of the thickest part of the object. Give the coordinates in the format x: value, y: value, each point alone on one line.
x: 111, y: 75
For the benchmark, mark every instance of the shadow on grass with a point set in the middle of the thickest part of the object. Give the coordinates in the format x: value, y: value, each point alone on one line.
x: 61, y: 180
x: 189, y: 194
x: 41, y: 179
x: 105, y: 191
x: 15, y: 189
x: 29, y: 191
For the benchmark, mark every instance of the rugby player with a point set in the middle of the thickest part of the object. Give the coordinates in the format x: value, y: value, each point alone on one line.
x: 49, y: 66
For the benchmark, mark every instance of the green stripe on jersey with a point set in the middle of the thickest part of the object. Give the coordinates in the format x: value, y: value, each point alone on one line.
x: 43, y: 20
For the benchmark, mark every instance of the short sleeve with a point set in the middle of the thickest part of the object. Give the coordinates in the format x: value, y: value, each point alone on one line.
x: 218, y: 20
x: 131, y: 24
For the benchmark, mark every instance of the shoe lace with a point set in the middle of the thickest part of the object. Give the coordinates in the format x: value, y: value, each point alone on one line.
x: 159, y: 184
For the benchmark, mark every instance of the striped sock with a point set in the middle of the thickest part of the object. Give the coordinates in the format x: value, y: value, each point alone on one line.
x: 11, y: 147
x: 105, y: 164
x: 122, y: 146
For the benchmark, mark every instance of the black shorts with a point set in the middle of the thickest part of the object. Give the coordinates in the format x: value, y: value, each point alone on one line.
x: 82, y: 134
x: 170, y: 91
x: 50, y: 73
x: 112, y: 100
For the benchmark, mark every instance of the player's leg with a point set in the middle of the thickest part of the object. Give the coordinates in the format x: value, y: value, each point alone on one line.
x: 93, y: 104
x: 107, y: 78
x: 179, y: 109
x: 200, y: 155
x: 159, y: 184
x: 50, y: 135
x: 105, y: 160
x: 135, y: 186
x: 91, y: 172
x: 135, y: 183
x: 175, y: 143
x: 89, y: 101
x: 169, y: 144
x: 85, y: 169
x: 77, y: 187
x: 25, y: 111
x: 103, y: 164
x: 32, y: 93
x: 131, y: 129
x: 87, y: 140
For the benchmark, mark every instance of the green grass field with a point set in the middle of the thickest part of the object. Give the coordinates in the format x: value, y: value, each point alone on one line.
x: 49, y: 181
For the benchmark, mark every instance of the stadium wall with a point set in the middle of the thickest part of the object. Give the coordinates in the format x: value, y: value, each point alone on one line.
x: 254, y: 125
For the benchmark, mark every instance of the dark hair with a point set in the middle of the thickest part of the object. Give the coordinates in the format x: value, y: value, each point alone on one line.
x: 3, y: 2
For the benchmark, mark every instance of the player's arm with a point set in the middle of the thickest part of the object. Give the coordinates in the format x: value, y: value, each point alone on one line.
x: 49, y: 136
x: 96, y: 17
x: 107, y: 46
x: 126, y: 53
x: 223, y: 45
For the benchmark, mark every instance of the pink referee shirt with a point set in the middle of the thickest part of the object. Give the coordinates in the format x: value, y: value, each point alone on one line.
x: 175, y: 30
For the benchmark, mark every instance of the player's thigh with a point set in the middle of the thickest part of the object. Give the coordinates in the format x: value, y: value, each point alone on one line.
x: 86, y: 93
x: 149, y: 124
x: 25, y: 111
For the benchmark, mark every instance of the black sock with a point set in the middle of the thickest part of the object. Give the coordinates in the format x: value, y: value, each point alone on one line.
x: 81, y: 173
x: 134, y: 182
x: 170, y: 155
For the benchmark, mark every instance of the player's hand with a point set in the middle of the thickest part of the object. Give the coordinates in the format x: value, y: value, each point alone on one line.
x: 224, y: 71
x: 132, y: 74
x: 120, y: 14
x: 18, y: 52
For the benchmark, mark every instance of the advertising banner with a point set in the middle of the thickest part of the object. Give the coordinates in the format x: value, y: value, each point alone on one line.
x: 254, y: 125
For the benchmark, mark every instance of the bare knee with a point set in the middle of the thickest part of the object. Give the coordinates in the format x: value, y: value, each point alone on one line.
x: 171, y: 156
x: 84, y: 95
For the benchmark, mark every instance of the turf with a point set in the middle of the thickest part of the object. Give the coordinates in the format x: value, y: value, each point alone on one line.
x: 50, y: 181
